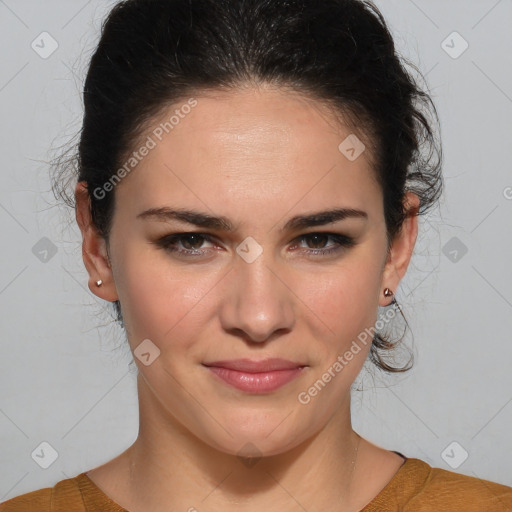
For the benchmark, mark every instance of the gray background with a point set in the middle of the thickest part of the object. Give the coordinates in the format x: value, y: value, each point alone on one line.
x: 65, y: 374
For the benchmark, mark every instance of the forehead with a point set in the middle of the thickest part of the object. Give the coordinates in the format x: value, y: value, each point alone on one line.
x: 249, y: 144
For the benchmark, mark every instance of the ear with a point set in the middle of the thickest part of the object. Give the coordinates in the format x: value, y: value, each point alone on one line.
x: 94, y: 248
x: 401, y: 249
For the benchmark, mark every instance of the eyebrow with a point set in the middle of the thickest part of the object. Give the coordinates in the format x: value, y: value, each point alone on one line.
x: 205, y: 220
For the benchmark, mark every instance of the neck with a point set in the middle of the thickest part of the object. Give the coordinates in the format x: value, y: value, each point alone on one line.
x: 169, y: 465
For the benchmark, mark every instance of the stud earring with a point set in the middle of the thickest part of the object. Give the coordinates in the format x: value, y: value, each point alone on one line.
x: 99, y: 283
x: 389, y: 293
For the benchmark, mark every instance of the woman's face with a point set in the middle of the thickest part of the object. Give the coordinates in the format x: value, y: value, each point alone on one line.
x: 262, y: 289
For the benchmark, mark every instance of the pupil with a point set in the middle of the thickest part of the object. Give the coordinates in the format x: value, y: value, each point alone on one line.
x: 315, y: 238
x: 189, y: 240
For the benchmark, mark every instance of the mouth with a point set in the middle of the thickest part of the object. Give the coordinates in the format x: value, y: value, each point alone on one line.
x: 252, y: 366
x: 256, y: 376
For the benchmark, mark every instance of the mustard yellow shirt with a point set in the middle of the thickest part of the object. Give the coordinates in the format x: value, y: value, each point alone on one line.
x: 416, y: 487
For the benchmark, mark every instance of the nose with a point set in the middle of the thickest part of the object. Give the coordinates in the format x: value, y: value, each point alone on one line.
x: 258, y: 305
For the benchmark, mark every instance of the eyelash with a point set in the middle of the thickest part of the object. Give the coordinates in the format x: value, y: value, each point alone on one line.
x: 169, y: 243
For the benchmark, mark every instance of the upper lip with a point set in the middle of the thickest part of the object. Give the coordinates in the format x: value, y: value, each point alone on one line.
x: 251, y: 366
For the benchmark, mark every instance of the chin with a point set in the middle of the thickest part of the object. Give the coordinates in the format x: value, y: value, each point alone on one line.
x: 256, y: 441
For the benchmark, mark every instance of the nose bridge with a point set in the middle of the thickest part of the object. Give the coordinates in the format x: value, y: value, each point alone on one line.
x: 258, y: 281
x: 257, y: 302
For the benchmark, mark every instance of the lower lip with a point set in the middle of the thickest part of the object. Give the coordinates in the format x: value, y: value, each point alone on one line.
x: 256, y: 382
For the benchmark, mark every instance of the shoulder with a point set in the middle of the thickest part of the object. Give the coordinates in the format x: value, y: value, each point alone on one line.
x: 31, y: 501
x: 430, y: 488
x: 472, y: 492
x: 64, y: 495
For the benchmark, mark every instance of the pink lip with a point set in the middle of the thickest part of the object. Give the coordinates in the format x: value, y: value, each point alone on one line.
x: 256, y: 376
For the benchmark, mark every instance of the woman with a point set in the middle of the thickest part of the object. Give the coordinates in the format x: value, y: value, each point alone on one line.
x: 250, y: 175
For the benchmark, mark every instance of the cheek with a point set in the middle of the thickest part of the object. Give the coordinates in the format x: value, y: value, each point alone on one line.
x: 159, y: 301
x: 345, y: 298
x: 342, y: 305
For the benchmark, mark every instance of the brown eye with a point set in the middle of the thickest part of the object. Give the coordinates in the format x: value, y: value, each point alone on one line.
x: 186, y: 244
x: 192, y: 241
x: 317, y: 243
x: 318, y: 239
